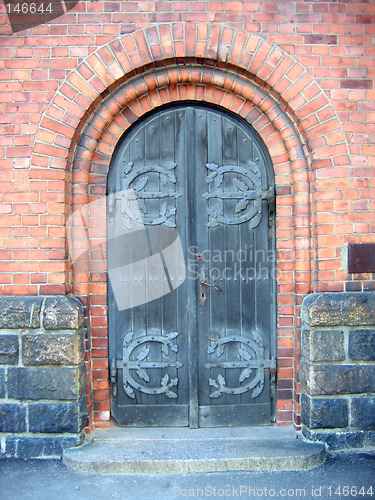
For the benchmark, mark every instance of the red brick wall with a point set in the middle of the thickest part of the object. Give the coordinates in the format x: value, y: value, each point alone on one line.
x: 301, y: 72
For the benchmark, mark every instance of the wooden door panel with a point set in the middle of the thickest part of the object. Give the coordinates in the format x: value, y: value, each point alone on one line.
x: 200, y: 174
x: 151, y: 350
x: 233, y: 345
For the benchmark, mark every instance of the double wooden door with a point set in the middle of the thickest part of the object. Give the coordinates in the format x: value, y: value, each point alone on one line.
x: 191, y: 272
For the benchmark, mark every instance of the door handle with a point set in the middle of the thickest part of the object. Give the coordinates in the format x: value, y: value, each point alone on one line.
x: 203, y: 290
x: 205, y: 284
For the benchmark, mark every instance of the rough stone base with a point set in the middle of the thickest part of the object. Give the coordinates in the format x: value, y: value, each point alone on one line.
x: 42, y: 376
x: 337, y: 369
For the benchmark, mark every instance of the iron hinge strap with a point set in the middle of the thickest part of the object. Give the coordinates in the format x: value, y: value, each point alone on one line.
x: 273, y: 373
x: 270, y: 196
x: 271, y: 365
x: 273, y: 384
x: 111, y: 201
x: 113, y: 376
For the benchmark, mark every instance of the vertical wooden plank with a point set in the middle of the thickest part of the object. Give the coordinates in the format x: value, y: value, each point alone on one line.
x: 263, y: 294
x: 154, y: 308
x: 124, y: 253
x: 204, y: 312
x: 263, y: 242
x: 216, y: 303
x: 113, y: 314
x: 178, y: 138
x: 259, y: 159
x: 248, y: 279
x: 136, y: 146
x: 173, y: 304
x: 232, y: 239
x: 189, y: 158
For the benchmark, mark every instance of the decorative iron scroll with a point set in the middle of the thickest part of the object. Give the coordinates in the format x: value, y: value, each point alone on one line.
x: 248, y: 189
x: 252, y: 361
x: 137, y: 177
x: 141, y: 364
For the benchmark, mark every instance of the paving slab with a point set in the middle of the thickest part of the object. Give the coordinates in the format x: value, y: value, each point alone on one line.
x: 184, y: 450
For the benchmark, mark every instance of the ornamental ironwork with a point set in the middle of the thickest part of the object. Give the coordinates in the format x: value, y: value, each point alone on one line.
x: 158, y: 204
x: 246, y: 190
x: 141, y: 363
x: 252, y: 363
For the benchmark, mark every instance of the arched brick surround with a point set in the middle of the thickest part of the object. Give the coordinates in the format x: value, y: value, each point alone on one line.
x: 132, y: 75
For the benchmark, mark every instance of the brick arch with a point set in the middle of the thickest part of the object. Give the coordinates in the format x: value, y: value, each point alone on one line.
x: 206, y: 45
x: 136, y: 73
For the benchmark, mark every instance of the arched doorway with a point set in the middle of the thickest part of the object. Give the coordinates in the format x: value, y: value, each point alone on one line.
x: 191, y: 266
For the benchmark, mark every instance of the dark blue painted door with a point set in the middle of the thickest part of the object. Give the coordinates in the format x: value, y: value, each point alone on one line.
x: 191, y: 272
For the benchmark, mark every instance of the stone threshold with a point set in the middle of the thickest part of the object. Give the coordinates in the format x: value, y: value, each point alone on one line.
x: 183, y: 450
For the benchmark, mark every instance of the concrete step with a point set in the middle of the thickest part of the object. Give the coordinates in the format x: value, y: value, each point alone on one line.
x: 182, y: 450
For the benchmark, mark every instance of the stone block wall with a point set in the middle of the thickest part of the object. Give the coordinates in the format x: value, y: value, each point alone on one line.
x: 42, y: 375
x: 338, y: 369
